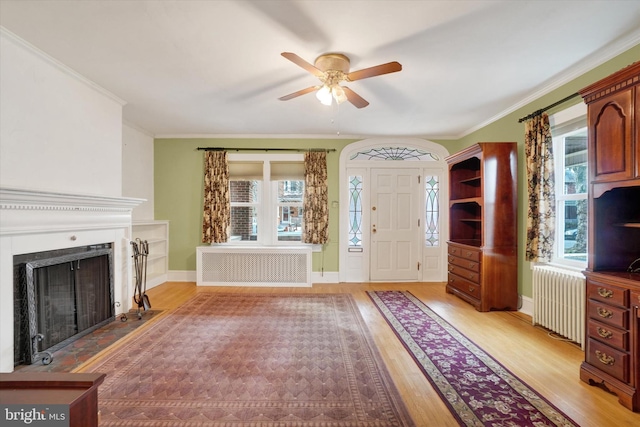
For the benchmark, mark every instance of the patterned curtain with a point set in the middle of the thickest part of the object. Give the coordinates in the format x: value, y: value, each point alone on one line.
x: 216, y: 217
x: 541, y: 215
x: 316, y: 205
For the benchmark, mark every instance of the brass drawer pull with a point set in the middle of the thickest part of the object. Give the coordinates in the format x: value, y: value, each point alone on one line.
x: 472, y: 289
x: 604, y: 333
x: 472, y: 265
x: 454, y: 251
x: 604, y: 313
x: 469, y: 254
x: 605, y: 358
x: 605, y: 293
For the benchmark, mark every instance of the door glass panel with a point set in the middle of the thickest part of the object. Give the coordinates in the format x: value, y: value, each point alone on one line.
x: 355, y: 210
x: 432, y: 211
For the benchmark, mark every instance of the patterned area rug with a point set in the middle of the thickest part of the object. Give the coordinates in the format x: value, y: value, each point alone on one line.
x: 478, y: 390
x: 252, y: 360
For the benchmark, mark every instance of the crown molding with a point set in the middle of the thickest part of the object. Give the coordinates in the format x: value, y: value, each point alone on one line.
x: 59, y: 65
x: 578, y: 70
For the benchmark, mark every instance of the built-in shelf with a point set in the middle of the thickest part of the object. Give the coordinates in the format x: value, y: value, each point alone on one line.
x: 156, y: 234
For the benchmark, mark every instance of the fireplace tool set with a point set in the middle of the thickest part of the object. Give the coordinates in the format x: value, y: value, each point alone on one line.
x: 140, y: 254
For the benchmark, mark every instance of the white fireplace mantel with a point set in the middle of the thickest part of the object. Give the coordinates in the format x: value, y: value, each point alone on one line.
x: 35, y: 221
x: 26, y: 211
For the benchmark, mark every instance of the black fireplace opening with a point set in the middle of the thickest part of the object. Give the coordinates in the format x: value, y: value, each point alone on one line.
x: 60, y: 296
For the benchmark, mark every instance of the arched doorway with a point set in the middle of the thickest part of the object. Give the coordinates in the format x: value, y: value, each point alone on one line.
x: 391, y: 210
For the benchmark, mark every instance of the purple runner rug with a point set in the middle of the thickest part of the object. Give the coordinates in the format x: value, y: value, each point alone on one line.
x: 478, y: 390
x: 249, y: 360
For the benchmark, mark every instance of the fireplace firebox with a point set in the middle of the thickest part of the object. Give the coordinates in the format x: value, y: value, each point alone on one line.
x: 60, y: 296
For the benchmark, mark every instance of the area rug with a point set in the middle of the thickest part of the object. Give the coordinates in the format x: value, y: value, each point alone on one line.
x: 239, y: 360
x: 478, y: 390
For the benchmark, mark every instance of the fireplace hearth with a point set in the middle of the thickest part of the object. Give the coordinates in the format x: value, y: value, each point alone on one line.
x: 60, y: 296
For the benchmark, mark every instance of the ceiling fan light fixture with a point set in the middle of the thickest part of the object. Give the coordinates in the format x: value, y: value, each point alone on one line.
x: 324, y: 95
x: 332, y: 69
x: 338, y: 94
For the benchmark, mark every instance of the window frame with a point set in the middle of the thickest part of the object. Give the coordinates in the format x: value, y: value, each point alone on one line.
x: 268, y: 204
x: 563, y: 117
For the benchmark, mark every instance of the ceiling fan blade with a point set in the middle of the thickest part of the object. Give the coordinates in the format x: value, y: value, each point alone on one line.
x: 302, y: 63
x: 354, y: 98
x: 389, y: 67
x: 298, y: 93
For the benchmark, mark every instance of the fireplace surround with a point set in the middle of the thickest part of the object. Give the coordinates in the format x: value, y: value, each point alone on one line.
x: 39, y: 221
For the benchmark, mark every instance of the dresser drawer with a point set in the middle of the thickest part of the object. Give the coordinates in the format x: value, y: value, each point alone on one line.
x: 472, y: 276
x: 464, y: 285
x: 609, y: 360
x: 611, y: 336
x: 614, y: 316
x: 464, y: 263
x: 466, y: 253
x: 609, y: 294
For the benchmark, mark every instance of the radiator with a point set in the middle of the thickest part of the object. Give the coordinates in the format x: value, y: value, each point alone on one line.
x: 559, y: 301
x: 253, y: 266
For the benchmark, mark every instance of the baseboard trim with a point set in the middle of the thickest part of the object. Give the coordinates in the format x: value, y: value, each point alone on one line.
x: 527, y: 306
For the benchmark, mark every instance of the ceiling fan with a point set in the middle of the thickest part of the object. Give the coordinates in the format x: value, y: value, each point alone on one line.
x: 332, y: 69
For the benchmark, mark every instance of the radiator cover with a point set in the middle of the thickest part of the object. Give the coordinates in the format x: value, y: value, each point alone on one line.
x: 253, y: 266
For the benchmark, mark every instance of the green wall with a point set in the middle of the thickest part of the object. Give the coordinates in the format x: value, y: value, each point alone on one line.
x: 179, y: 169
x: 508, y: 129
x: 178, y: 189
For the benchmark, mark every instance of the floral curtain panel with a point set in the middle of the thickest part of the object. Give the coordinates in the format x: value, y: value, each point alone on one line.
x: 316, y: 205
x: 541, y: 189
x: 216, y: 217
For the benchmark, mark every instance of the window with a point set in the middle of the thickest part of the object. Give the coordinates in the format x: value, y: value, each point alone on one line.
x: 569, y: 132
x: 266, y: 198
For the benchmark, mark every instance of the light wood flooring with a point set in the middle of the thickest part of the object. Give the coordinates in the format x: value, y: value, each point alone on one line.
x: 548, y: 365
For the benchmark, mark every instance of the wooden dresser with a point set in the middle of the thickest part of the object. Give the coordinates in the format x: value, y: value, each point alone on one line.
x: 76, y: 392
x: 482, y: 246
x: 612, y: 354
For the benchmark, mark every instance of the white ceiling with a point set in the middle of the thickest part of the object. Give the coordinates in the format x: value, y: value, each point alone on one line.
x: 213, y: 67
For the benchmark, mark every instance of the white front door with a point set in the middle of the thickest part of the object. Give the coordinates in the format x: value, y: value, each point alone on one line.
x: 395, y: 229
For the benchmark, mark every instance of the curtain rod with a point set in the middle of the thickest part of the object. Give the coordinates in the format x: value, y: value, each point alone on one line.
x: 326, y: 150
x: 548, y: 107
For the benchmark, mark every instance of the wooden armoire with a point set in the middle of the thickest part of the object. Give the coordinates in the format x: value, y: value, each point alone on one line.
x: 483, y: 244
x: 612, y: 354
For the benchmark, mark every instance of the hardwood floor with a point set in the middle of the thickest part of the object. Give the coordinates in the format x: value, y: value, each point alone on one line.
x: 548, y: 365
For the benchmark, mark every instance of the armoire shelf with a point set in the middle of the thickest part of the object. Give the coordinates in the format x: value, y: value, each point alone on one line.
x: 482, y: 244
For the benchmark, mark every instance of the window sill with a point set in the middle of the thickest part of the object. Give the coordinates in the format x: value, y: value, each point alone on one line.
x: 254, y: 245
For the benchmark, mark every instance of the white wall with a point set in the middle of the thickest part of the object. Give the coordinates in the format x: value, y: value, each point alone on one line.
x: 137, y: 170
x: 58, y: 131
x: 60, y: 137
